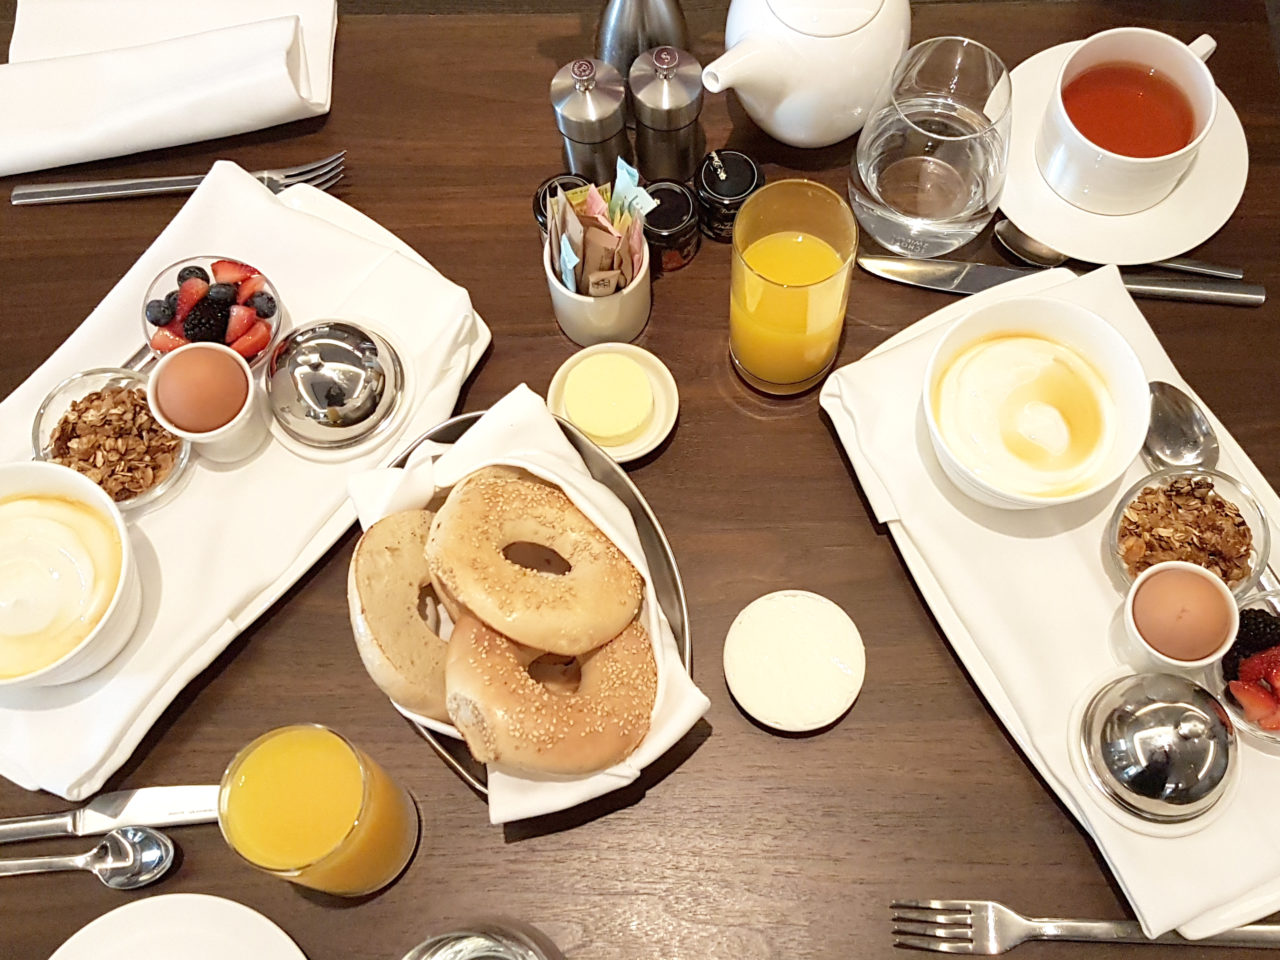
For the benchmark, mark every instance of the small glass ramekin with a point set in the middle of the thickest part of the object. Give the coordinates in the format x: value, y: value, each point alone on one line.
x: 166, y: 282
x: 78, y: 387
x: 1227, y: 487
x: 1216, y: 682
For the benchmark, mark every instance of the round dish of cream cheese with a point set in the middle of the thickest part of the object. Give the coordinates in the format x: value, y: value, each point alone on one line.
x: 621, y: 396
x: 794, y: 660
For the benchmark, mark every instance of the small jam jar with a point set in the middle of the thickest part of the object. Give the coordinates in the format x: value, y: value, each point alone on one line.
x: 724, y: 180
x: 561, y: 183
x: 671, y: 227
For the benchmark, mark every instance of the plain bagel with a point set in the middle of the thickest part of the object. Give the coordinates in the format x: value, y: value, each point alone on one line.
x: 401, y: 650
x: 567, y: 613
x: 507, y: 717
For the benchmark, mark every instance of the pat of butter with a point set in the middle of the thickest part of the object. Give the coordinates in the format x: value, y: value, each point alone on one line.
x: 794, y: 660
x: 609, y: 398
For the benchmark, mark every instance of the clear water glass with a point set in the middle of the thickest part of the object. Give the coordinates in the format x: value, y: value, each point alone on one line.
x: 488, y: 940
x: 930, y: 164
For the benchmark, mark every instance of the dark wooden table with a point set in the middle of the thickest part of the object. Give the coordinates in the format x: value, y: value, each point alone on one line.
x: 741, y: 844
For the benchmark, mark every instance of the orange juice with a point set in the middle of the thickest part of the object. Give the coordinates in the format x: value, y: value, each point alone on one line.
x: 303, y: 803
x: 786, y: 306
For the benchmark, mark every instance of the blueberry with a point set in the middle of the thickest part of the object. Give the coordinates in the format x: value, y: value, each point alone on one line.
x: 222, y: 291
x: 171, y: 301
x: 264, y: 303
x: 186, y: 273
x: 159, y: 312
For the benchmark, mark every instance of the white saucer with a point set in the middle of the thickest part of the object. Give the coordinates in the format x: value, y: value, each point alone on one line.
x: 194, y: 926
x: 666, y: 397
x: 1197, y: 208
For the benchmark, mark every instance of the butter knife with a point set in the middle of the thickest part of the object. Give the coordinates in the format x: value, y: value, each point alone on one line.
x: 957, y: 276
x: 144, y: 807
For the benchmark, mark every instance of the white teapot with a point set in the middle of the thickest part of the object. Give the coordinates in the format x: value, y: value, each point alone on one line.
x: 808, y: 71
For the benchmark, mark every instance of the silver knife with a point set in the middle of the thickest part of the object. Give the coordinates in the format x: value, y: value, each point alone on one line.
x: 144, y: 807
x: 957, y: 276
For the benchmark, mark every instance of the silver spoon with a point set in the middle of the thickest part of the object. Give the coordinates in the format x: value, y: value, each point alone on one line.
x: 1032, y: 251
x: 1179, y: 434
x: 126, y: 859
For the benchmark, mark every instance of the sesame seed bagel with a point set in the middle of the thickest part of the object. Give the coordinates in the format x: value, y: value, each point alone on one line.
x: 401, y: 650
x: 568, y: 613
x: 508, y: 717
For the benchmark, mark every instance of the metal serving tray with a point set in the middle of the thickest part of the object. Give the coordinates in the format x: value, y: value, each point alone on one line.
x: 664, y: 573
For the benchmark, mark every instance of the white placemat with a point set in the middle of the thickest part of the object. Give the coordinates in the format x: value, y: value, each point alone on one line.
x: 1026, y: 604
x: 228, y: 542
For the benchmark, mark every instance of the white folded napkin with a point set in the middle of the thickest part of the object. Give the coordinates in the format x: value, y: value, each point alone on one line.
x: 207, y: 563
x: 519, y: 430
x: 88, y: 79
x: 1026, y: 604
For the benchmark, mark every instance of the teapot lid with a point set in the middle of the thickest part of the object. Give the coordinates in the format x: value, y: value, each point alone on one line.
x: 825, y: 18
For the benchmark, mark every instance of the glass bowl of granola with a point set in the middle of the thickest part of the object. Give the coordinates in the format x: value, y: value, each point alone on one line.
x: 98, y: 423
x: 1201, y: 516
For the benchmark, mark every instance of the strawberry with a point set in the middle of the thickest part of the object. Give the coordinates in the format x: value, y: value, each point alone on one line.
x: 250, y: 286
x: 229, y: 271
x: 1255, y: 699
x: 254, y: 342
x: 190, y: 293
x: 169, y: 337
x: 242, y: 318
x: 1270, y: 722
x: 1257, y: 667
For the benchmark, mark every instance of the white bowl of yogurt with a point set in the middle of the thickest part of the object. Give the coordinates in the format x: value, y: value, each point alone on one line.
x: 1034, y: 402
x: 70, y: 595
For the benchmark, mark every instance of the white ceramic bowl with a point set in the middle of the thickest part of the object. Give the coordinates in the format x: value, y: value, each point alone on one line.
x: 1083, y: 331
x: 115, y: 628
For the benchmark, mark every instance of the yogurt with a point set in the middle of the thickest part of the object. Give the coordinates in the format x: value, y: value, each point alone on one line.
x: 60, y: 564
x: 1026, y: 414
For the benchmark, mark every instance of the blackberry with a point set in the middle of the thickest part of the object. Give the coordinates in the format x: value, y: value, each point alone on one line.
x: 264, y: 303
x: 159, y: 312
x: 223, y: 292
x: 1259, y: 630
x: 186, y: 273
x: 207, y: 321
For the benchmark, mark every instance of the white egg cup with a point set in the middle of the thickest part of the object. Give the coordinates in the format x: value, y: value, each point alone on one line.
x: 234, y: 440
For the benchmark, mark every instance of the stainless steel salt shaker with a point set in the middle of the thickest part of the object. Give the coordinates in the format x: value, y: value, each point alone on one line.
x: 627, y: 27
x: 587, y: 96
x: 666, y: 94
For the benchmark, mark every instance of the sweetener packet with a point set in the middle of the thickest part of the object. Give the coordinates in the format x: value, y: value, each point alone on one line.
x: 602, y: 283
x: 598, y: 251
x: 571, y: 232
x: 568, y: 264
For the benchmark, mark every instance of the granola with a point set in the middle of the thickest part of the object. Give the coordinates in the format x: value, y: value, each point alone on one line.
x: 1186, y: 520
x: 112, y: 438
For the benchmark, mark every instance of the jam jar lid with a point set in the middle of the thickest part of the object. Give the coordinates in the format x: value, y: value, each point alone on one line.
x: 587, y: 96
x: 675, y: 213
x: 564, y: 182
x: 727, y: 177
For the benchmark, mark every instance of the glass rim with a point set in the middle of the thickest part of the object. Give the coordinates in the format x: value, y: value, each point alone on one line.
x: 1006, y: 76
x: 845, y: 261
x: 243, y: 753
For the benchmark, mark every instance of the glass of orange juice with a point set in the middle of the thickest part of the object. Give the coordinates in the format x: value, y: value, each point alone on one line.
x: 304, y: 803
x: 793, y: 248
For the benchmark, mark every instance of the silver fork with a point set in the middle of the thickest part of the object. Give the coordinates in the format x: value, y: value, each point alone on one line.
x: 321, y: 174
x: 986, y: 927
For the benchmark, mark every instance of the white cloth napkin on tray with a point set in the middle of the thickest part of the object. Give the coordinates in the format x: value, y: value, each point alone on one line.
x: 519, y: 430
x: 228, y: 542
x: 88, y: 79
x: 1026, y: 604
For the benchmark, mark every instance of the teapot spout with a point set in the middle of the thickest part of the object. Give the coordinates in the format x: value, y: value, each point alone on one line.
x: 747, y: 60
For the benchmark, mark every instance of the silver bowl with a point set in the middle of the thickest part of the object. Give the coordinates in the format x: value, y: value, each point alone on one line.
x: 1159, y: 745
x: 332, y: 384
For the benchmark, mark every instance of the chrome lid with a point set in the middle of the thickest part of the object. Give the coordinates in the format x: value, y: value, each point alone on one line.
x: 587, y: 96
x: 666, y: 88
x: 333, y: 383
x: 1159, y: 745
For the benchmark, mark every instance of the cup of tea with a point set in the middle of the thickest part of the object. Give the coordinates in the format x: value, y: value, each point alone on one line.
x: 1130, y: 108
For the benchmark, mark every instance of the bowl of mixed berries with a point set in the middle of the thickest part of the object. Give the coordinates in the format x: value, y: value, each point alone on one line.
x: 1248, y: 676
x: 212, y: 299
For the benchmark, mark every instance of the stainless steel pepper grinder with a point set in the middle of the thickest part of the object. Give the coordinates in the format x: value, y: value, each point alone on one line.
x: 628, y: 27
x: 587, y: 97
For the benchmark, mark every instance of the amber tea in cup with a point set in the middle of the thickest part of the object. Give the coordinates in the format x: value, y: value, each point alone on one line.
x: 1131, y: 109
